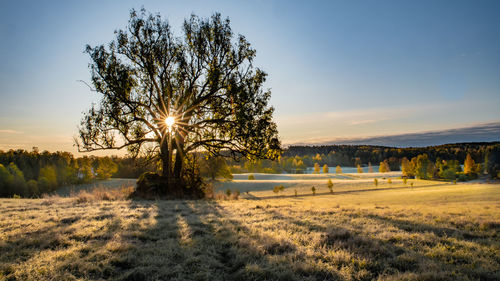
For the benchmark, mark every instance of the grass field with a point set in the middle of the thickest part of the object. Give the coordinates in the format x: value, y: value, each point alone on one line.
x: 434, y: 231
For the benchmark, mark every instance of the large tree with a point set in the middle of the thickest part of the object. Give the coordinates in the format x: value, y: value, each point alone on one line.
x: 170, y: 96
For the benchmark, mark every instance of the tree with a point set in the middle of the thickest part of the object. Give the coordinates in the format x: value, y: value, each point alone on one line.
x: 168, y: 96
x: 325, y: 169
x: 338, y: 169
x: 329, y: 184
x: 360, y: 170
x: 214, y: 167
x: 47, y: 180
x: 471, y: 169
x: 424, y: 168
x: 384, y: 167
x: 407, y: 168
x: 105, y: 168
x: 492, y: 161
x: 316, y: 168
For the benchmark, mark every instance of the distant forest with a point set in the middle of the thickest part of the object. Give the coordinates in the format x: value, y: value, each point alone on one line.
x: 33, y: 173
x: 352, y: 155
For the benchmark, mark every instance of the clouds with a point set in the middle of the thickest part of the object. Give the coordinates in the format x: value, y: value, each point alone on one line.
x: 487, y: 132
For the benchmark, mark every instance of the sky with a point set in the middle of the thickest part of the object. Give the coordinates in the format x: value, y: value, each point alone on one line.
x: 338, y: 70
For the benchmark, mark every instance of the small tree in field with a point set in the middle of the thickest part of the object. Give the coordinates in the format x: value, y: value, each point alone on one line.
x: 384, y: 167
x: 313, y: 189
x: 338, y: 169
x: 325, y: 169
x: 405, y: 180
x: 251, y: 177
x: 375, y: 182
x: 316, y: 168
x: 360, y: 170
x: 329, y: 184
x: 278, y: 188
x: 389, y: 180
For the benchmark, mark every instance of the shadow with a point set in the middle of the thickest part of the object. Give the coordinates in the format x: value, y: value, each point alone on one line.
x: 341, y: 192
x: 205, y: 240
x: 210, y: 244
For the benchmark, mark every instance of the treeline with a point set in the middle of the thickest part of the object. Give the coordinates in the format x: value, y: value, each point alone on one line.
x: 352, y: 155
x: 33, y: 173
x: 296, y: 159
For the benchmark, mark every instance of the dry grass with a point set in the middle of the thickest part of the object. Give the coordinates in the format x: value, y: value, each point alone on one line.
x: 426, y: 233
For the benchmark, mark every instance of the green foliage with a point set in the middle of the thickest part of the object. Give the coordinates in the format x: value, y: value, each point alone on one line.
x: 204, y: 77
x: 105, y: 168
x: 48, y: 179
x: 405, y: 180
x: 215, y: 167
x: 492, y: 161
x: 251, y: 177
x: 325, y: 169
x: 424, y: 168
x: 407, y: 168
x: 228, y: 192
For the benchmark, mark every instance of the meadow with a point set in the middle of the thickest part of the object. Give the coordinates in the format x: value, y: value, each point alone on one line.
x: 431, y: 231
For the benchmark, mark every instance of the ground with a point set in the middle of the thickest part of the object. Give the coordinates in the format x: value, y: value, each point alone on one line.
x: 433, y: 231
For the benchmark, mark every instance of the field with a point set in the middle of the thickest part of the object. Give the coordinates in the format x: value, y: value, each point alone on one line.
x: 433, y: 231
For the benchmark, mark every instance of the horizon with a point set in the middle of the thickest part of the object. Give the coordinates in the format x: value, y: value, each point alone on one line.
x: 399, y: 73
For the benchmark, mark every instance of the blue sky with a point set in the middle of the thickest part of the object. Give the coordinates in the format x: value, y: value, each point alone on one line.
x: 337, y: 69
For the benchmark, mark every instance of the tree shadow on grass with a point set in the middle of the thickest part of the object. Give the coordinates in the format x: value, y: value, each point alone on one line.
x: 210, y: 245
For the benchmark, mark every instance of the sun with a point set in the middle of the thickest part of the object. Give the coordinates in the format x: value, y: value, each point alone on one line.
x: 170, y: 121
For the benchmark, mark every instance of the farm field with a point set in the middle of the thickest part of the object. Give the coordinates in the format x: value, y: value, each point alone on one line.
x: 433, y: 231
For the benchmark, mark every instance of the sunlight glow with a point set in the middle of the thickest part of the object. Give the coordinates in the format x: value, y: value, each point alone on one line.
x: 170, y: 121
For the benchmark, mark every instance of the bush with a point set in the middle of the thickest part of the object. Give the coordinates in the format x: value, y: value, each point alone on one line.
x: 251, y: 177
x: 228, y: 192
x: 405, y: 180
x: 295, y: 192
x: 278, y: 188
x: 329, y: 184
x: 389, y: 180
x: 375, y: 182
x: 313, y: 190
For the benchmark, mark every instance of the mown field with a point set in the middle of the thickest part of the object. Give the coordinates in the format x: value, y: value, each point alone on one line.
x: 433, y: 231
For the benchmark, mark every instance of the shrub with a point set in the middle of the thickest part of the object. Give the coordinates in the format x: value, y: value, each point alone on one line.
x: 251, y: 177
x: 405, y: 180
x: 329, y: 184
x: 313, y: 190
x: 411, y: 184
x: 375, y: 182
x: 295, y: 192
x: 389, y: 180
x: 278, y: 188
x: 228, y: 192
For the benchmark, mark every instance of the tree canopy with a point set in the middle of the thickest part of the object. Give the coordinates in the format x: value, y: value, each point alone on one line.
x: 205, y: 80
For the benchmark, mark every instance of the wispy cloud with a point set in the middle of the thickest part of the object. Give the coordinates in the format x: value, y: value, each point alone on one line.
x: 8, y: 131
